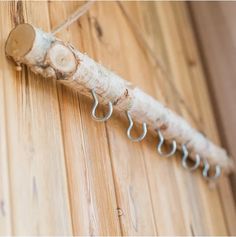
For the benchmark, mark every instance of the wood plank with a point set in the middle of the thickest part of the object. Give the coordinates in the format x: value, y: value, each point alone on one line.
x: 37, y: 179
x: 5, y: 199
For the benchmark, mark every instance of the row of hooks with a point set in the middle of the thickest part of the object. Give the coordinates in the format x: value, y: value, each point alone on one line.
x: 185, y: 153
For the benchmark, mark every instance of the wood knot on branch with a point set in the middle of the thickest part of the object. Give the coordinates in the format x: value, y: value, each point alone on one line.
x: 62, y: 60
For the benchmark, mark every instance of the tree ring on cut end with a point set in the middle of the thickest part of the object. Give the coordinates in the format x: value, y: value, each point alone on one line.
x: 62, y: 59
x: 20, y: 41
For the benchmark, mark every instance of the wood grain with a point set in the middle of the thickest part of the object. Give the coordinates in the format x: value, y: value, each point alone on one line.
x: 36, y: 170
x: 61, y: 173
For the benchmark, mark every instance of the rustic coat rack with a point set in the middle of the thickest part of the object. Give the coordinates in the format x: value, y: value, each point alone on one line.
x: 52, y: 58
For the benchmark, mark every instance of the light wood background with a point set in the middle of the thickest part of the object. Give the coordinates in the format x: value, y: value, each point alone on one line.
x: 61, y: 173
x: 215, y: 25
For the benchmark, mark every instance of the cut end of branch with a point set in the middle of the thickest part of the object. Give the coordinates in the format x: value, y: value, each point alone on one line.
x: 62, y: 59
x: 20, y: 41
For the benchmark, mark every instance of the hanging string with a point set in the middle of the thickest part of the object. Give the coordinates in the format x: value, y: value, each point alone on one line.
x: 72, y: 18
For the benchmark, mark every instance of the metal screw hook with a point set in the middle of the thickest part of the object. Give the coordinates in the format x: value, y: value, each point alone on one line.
x: 185, y: 157
x: 174, y: 146
x: 205, y: 172
x: 95, y: 104
x: 131, y: 123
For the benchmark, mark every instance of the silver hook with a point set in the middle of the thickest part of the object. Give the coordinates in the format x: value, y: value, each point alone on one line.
x: 205, y: 172
x: 131, y: 123
x: 174, y: 146
x: 185, y: 157
x: 95, y: 104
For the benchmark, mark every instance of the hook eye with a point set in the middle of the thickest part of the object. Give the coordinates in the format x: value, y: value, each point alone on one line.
x: 160, y: 144
x: 131, y: 123
x: 95, y: 105
x: 205, y: 172
x: 185, y: 158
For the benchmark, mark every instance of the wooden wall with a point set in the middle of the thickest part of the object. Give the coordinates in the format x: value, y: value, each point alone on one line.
x: 215, y: 26
x: 61, y: 173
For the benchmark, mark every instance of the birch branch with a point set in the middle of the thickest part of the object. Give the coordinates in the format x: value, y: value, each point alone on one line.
x: 50, y: 57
